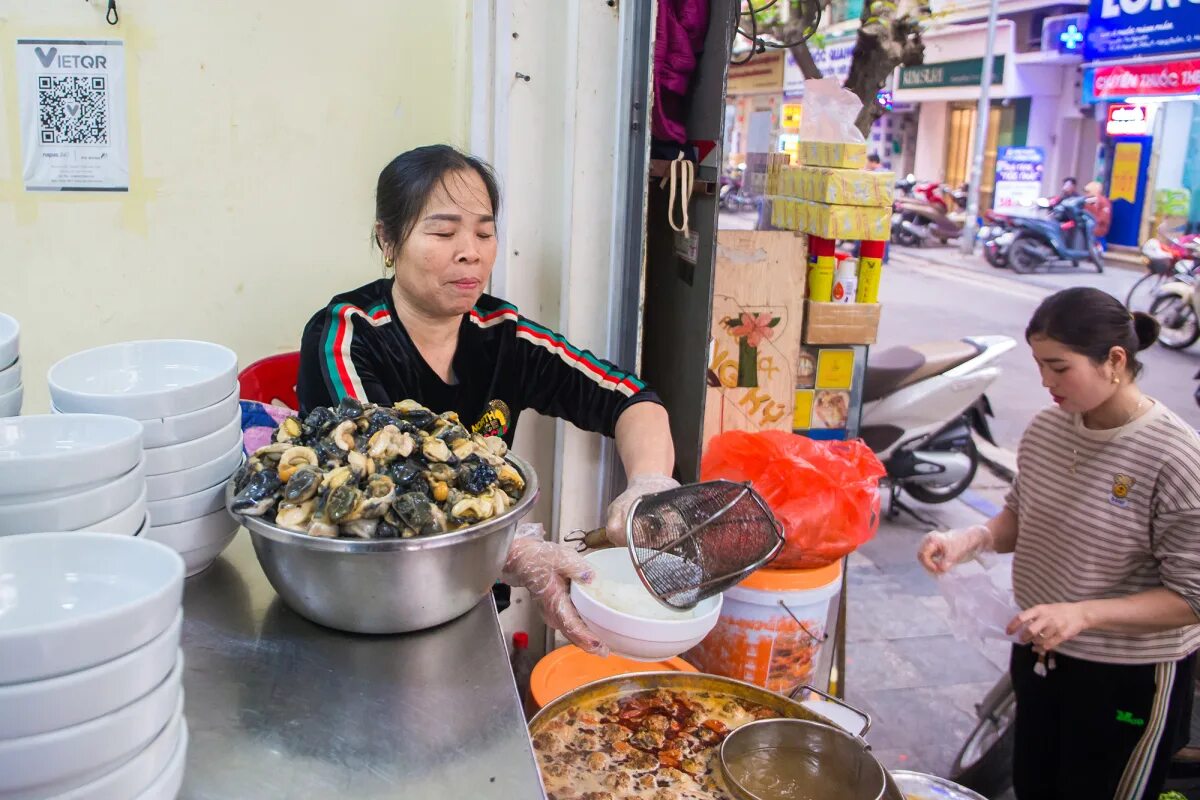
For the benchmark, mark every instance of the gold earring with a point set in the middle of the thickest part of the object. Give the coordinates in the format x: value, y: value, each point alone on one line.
x: 388, y: 262
x: 1116, y: 380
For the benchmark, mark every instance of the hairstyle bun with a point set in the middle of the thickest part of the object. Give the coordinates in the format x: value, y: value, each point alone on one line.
x: 1147, y: 329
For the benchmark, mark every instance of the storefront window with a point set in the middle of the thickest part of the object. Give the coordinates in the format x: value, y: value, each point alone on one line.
x: 1007, y: 126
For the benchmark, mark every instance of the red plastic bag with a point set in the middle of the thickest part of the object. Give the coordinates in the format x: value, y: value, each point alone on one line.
x: 826, y: 494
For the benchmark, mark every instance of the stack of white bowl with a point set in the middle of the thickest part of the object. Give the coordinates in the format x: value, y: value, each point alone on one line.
x: 185, y: 394
x: 91, y: 701
x: 11, y: 389
x: 66, y: 472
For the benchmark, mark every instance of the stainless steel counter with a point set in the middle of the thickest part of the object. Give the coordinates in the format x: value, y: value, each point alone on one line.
x: 279, y: 707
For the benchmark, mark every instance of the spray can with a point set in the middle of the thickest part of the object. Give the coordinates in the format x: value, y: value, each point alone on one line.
x: 870, y: 269
x: 845, y: 284
x: 820, y: 269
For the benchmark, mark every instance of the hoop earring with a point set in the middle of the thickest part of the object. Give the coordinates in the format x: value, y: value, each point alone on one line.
x: 1116, y: 380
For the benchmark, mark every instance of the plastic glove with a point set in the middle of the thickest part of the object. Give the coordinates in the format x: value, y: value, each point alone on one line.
x: 546, y: 569
x: 618, y: 510
x: 941, y: 550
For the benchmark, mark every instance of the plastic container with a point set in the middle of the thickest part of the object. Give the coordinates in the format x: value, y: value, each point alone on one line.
x: 845, y: 282
x: 758, y: 641
x: 568, y: 668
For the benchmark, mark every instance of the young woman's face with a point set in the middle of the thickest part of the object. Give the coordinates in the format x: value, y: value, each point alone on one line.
x: 445, y: 263
x: 1076, y: 383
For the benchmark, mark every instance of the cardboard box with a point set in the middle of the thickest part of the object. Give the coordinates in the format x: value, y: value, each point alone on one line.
x: 841, y: 323
x: 838, y: 221
x: 757, y: 320
x: 848, y: 187
x: 844, y: 155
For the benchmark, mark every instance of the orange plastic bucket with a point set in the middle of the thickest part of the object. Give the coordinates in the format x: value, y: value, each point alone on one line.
x: 758, y: 641
x: 568, y: 668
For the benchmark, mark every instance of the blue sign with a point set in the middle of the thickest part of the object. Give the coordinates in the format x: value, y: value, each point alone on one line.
x: 1121, y: 28
x: 1064, y: 33
x: 1022, y: 164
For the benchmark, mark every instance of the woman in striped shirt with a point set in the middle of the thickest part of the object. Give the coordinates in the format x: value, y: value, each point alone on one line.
x: 430, y: 334
x: 1104, y: 523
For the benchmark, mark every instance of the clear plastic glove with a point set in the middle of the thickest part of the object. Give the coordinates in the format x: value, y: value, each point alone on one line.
x: 618, y: 510
x: 546, y: 569
x: 941, y: 550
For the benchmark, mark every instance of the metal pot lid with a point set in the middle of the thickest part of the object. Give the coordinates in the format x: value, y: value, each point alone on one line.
x: 920, y: 786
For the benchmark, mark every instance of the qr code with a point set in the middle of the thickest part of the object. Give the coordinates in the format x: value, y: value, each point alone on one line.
x: 73, y: 109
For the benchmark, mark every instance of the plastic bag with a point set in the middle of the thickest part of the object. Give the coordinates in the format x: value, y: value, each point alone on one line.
x: 826, y: 494
x: 828, y: 113
x: 981, y: 600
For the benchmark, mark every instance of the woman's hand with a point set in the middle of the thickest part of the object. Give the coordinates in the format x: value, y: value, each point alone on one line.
x: 1048, y: 626
x: 618, y: 510
x: 941, y: 550
x: 546, y: 569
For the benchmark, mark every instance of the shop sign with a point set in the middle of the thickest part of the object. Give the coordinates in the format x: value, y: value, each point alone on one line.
x: 1142, y: 80
x: 1064, y: 33
x: 1126, y: 120
x: 967, y: 72
x: 1127, y: 159
x: 833, y: 59
x: 789, y: 116
x: 1018, y: 178
x: 761, y: 74
x: 1119, y: 28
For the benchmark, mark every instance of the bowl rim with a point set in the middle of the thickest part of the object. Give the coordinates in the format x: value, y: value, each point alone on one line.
x: 624, y: 616
x: 151, y: 598
x: 132, y: 426
x: 10, y: 328
x: 224, y: 352
x: 260, y: 527
x: 13, y: 391
x: 173, y: 451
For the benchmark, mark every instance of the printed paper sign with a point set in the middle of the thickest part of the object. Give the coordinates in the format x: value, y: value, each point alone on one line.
x: 72, y: 115
x: 1018, y: 178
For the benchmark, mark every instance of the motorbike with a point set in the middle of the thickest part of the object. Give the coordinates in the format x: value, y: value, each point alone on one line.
x: 1168, y: 259
x: 928, y: 215
x: 1177, y: 309
x: 920, y: 406
x: 1063, y: 238
x: 996, y: 236
x: 731, y: 197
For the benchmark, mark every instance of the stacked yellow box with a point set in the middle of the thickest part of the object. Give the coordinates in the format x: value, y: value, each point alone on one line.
x: 828, y: 201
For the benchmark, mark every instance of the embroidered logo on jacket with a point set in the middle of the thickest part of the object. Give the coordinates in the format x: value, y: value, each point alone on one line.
x: 1122, y: 486
x: 494, y: 421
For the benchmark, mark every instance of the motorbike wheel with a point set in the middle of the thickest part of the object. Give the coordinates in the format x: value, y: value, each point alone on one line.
x: 944, y: 494
x: 995, y: 256
x: 1097, y: 256
x: 985, y: 762
x: 1143, y: 293
x: 1025, y: 253
x: 1180, y: 326
x: 905, y: 237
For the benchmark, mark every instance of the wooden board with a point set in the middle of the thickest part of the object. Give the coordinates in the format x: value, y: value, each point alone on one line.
x: 757, y: 320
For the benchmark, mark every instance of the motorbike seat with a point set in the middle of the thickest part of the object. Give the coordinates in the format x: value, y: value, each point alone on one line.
x: 898, y: 367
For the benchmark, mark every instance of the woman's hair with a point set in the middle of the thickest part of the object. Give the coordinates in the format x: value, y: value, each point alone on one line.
x: 1091, y: 322
x: 406, y: 184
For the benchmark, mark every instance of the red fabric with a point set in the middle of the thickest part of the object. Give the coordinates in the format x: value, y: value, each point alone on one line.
x: 272, y: 378
x: 679, y: 38
x: 1100, y: 207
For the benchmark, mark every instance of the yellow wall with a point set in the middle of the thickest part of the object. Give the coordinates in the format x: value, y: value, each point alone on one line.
x: 257, y: 131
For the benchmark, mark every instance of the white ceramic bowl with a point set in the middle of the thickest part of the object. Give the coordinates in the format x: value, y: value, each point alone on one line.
x: 10, y: 340
x: 75, y: 600
x: 27, y: 709
x: 189, y: 506
x: 190, y: 481
x: 167, y: 785
x: 639, y: 638
x: 76, y: 511
x: 10, y: 377
x: 194, y: 533
x: 140, y: 772
x: 127, y: 522
x: 144, y: 380
x: 200, y: 559
x: 186, y: 455
x: 165, y: 431
x: 10, y: 401
x: 58, y: 761
x: 45, y: 454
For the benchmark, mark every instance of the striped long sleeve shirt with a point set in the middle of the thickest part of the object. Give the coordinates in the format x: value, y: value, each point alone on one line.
x: 1104, y: 514
x: 357, y: 347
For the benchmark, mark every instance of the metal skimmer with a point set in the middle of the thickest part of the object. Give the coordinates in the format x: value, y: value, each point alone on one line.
x: 696, y: 541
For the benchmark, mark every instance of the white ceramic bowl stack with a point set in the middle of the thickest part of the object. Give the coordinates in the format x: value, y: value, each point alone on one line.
x: 11, y: 389
x: 65, y: 472
x: 91, y: 699
x: 185, y: 394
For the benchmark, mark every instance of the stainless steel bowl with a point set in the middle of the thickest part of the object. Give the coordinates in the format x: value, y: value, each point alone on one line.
x: 387, y: 585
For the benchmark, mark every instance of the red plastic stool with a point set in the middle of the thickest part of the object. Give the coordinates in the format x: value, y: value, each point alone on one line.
x: 272, y: 380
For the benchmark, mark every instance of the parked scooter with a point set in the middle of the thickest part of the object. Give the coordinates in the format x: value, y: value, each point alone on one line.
x: 1064, y: 238
x: 1177, y: 309
x: 920, y: 405
x: 996, y: 235
x: 928, y: 215
x: 731, y: 196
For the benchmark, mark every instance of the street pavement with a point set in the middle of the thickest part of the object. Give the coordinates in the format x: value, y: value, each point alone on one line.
x: 904, y: 666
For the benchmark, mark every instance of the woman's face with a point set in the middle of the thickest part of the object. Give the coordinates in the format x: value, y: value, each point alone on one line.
x: 445, y: 263
x: 1076, y: 383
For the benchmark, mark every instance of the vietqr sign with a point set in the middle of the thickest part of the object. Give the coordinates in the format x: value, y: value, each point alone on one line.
x: 1175, y: 77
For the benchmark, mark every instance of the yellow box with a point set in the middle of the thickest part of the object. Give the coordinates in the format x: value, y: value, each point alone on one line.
x: 843, y: 222
x: 845, y: 155
x: 848, y: 187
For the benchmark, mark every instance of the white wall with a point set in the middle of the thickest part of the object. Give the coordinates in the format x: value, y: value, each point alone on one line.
x: 257, y: 132
x: 1171, y: 142
x: 930, y: 163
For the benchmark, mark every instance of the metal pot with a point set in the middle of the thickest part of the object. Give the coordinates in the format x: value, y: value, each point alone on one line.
x: 836, y: 765
x: 387, y: 585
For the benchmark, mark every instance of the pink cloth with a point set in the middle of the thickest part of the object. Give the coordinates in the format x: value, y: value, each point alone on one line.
x: 679, y: 38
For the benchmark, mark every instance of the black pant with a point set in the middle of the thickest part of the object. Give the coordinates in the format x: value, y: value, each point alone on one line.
x: 1080, y: 725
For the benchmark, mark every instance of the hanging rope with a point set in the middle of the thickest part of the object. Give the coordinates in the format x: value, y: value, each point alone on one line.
x: 681, y: 171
